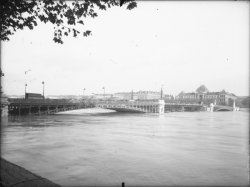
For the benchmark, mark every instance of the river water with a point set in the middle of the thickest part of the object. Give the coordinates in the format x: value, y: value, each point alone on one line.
x: 84, y: 148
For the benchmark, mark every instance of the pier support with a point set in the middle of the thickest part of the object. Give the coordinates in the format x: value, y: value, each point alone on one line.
x: 211, y: 107
x: 161, y: 107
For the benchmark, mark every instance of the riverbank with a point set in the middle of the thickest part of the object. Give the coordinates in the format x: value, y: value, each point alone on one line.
x: 14, y: 175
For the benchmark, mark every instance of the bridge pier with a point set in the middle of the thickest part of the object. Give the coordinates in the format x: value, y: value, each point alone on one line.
x: 161, y: 107
x: 211, y: 107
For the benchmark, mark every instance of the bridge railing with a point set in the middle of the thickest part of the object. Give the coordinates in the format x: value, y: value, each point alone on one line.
x: 47, y: 101
x: 131, y: 103
x: 31, y: 101
x: 145, y: 103
x: 92, y: 102
x: 183, y: 104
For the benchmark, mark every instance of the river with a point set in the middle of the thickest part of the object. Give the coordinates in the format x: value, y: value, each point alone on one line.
x: 89, y: 148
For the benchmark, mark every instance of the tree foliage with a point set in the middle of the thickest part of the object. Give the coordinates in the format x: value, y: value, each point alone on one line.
x: 64, y: 15
x: 246, y: 102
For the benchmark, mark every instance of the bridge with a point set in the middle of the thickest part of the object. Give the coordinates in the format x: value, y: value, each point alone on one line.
x: 52, y: 106
x: 223, y: 108
x: 44, y: 106
x: 158, y: 106
x: 133, y: 106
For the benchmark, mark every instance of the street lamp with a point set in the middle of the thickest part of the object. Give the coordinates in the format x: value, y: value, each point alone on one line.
x: 103, y: 92
x: 25, y: 91
x: 25, y: 72
x: 43, y: 90
x: 83, y: 91
x: 161, y: 92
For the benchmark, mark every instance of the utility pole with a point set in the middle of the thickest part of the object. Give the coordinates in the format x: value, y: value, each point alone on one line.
x: 25, y: 72
x: 25, y: 90
x: 43, y: 90
x: 161, y: 93
x: 83, y: 91
x: 103, y: 92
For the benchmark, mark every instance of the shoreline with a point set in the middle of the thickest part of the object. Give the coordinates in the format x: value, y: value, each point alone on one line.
x: 14, y: 175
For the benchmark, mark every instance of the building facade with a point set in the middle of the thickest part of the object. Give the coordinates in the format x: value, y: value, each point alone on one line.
x: 148, y: 95
x: 142, y: 95
x: 202, y: 95
x: 125, y: 96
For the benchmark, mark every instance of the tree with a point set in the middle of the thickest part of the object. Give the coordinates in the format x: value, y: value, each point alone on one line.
x: 246, y: 102
x: 64, y: 15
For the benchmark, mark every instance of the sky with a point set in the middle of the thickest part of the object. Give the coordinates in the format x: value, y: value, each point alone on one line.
x: 175, y: 45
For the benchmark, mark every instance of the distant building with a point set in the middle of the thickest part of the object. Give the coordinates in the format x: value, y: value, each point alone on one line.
x: 125, y: 96
x: 202, y: 95
x: 141, y: 95
x: 102, y: 96
x: 168, y: 97
x: 148, y: 95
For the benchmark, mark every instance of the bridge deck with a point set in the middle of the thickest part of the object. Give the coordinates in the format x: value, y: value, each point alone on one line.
x: 44, y: 106
x: 52, y: 106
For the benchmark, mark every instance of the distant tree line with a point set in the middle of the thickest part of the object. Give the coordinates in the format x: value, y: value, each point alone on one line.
x: 243, y: 102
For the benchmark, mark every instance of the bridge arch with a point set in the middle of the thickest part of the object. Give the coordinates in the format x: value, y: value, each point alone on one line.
x: 223, y: 109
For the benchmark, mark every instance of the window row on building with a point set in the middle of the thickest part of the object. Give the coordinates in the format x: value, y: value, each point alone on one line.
x: 203, y: 95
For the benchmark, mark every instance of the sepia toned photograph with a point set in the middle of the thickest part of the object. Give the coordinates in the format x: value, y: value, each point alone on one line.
x: 124, y: 93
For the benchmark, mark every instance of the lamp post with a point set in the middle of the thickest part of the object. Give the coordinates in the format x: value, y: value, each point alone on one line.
x: 83, y: 91
x: 103, y: 92
x: 25, y: 72
x: 161, y: 92
x: 25, y: 91
x: 43, y: 89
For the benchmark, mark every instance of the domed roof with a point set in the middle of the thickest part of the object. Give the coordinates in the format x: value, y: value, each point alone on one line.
x: 202, y: 89
x: 181, y: 93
